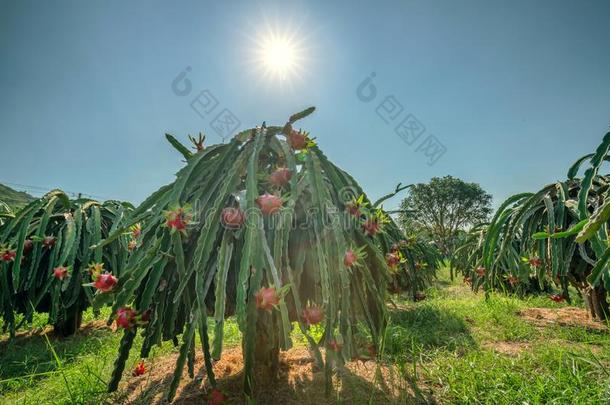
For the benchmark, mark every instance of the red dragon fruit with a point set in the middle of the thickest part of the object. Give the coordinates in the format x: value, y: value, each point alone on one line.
x: 312, y: 315
x: 267, y: 298
x: 535, y: 262
x: 512, y: 280
x: 269, y: 203
x: 178, y: 218
x: 105, y: 282
x: 480, y: 271
x: 126, y: 317
x: 28, y: 245
x: 139, y: 369
x: 350, y: 258
x: 8, y: 255
x: 297, y: 139
x: 48, y: 242
x: 233, y: 218
x: 354, y: 207
x: 280, y: 176
x: 392, y: 259
x: 371, y: 226
x: 557, y: 297
x: 373, y: 223
x: 60, y: 272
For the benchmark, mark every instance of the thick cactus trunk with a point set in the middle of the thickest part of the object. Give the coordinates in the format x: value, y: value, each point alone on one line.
x: 267, y: 352
x: 597, y: 303
x: 265, y: 356
x: 70, y: 325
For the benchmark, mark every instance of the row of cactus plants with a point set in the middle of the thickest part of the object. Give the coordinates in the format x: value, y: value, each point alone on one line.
x: 413, y: 263
x: 513, y: 277
x: 556, y: 237
x: 267, y: 229
x: 412, y: 260
x: 46, y: 264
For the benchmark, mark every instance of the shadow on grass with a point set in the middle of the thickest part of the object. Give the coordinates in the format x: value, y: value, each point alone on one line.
x: 29, y: 357
x: 442, y: 283
x: 419, y: 327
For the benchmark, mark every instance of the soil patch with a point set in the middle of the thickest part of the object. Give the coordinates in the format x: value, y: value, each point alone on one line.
x: 299, y: 382
x: 566, y: 316
x: 512, y: 349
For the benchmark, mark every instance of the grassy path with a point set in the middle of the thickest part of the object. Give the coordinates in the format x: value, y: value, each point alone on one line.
x: 454, y: 347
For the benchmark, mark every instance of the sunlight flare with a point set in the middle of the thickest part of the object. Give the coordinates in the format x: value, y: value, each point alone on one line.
x: 279, y: 56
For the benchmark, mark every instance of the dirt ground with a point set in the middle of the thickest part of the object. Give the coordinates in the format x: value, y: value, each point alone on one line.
x: 512, y: 349
x: 566, y: 316
x: 299, y: 383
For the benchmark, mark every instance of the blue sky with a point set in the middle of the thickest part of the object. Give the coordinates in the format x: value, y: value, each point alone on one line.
x: 515, y: 91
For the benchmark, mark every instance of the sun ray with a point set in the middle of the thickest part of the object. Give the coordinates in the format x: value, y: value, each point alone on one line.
x: 278, y: 55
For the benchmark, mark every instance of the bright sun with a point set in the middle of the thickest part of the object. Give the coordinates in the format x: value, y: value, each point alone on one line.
x: 280, y: 56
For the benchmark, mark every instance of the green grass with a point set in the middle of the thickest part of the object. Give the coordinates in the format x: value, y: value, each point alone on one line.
x: 451, y: 346
x: 42, y: 368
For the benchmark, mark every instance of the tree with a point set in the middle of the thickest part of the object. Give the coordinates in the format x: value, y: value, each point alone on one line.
x: 259, y: 228
x: 443, y: 208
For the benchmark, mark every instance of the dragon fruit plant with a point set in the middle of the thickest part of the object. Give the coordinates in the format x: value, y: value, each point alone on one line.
x: 557, y: 236
x: 512, y: 278
x: 412, y: 262
x: 257, y: 228
x: 45, y: 258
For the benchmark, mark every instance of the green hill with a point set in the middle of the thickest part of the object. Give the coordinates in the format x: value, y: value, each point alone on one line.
x: 14, y: 199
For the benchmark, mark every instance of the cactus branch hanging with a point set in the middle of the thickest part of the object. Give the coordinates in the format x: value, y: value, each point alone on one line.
x: 257, y: 228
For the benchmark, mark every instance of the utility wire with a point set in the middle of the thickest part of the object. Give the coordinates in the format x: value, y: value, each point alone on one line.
x: 43, y: 190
